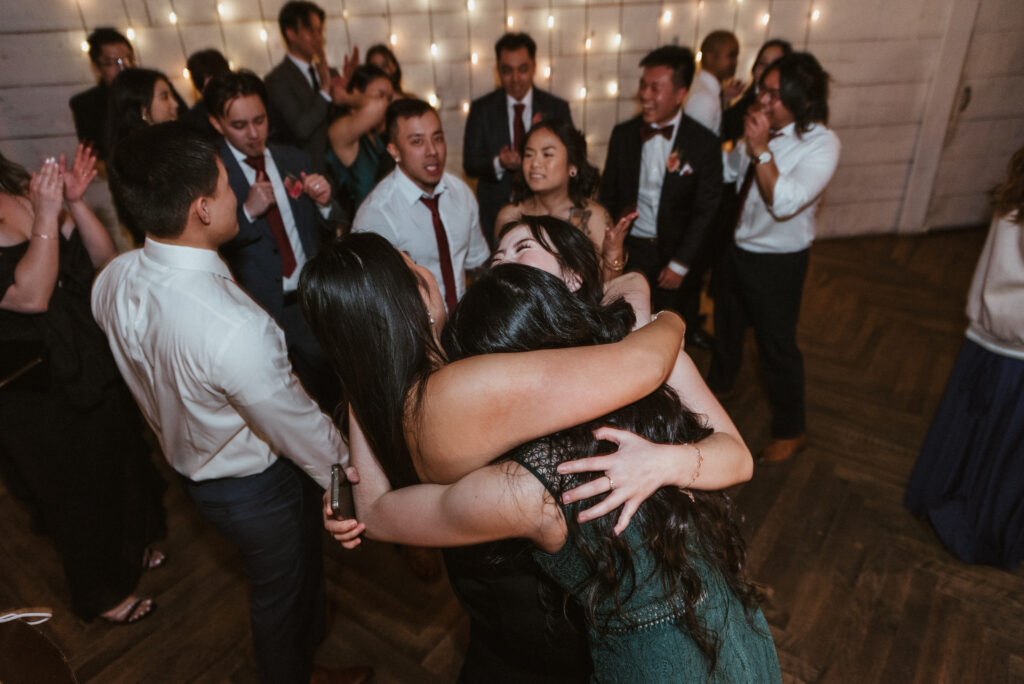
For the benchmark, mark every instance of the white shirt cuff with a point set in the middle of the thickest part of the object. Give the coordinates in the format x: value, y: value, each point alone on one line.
x: 499, y: 170
x: 246, y: 212
x: 325, y: 95
x: 324, y: 211
x: 678, y: 268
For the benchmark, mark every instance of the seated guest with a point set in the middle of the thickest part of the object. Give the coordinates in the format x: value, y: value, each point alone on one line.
x: 284, y: 214
x: 423, y: 211
x: 557, y: 180
x: 209, y: 368
x: 202, y: 66
x: 498, y: 122
x: 357, y: 147
x: 969, y: 478
x: 70, y: 433
x: 383, y: 58
x: 110, y: 53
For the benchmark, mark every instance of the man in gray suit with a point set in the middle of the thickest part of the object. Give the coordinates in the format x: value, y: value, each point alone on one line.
x: 300, y: 86
x: 498, y: 123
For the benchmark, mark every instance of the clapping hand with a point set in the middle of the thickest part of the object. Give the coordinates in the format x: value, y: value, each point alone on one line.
x: 615, y: 235
x: 46, y: 189
x: 80, y: 174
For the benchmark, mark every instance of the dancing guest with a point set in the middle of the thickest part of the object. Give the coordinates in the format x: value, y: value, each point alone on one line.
x: 110, y: 53
x: 789, y: 154
x: 249, y: 443
x: 498, y: 122
x: 969, y: 478
x: 356, y: 137
x: 669, y: 601
x: 72, y: 440
x: 556, y: 179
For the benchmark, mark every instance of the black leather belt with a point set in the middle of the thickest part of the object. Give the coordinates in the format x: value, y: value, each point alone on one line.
x: 646, y: 240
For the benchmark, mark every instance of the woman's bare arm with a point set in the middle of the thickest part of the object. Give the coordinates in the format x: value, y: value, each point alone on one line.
x: 92, y: 231
x: 35, y: 275
x: 475, y: 409
x: 345, y: 131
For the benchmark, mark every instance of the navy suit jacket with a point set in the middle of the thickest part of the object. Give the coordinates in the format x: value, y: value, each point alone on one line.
x: 688, y: 200
x: 298, y: 113
x: 487, y: 131
x: 252, y: 255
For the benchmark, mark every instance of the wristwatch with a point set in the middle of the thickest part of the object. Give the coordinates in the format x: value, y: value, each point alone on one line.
x: 763, y: 158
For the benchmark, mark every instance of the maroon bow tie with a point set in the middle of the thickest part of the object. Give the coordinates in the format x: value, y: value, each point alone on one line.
x: 648, y: 132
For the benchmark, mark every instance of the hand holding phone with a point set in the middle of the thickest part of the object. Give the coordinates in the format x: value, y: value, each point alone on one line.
x: 342, y: 504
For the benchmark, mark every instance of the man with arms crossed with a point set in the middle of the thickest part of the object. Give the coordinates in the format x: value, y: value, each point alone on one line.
x: 210, y: 372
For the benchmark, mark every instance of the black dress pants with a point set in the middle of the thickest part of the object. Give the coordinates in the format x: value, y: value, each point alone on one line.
x: 644, y: 257
x: 763, y: 291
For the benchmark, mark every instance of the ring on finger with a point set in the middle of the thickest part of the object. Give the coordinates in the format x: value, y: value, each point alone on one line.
x: 611, y: 483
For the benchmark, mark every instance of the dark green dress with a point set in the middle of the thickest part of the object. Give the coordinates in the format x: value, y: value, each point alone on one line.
x: 646, y: 641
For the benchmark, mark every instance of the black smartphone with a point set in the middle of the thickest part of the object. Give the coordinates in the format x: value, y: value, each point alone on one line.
x: 341, y: 494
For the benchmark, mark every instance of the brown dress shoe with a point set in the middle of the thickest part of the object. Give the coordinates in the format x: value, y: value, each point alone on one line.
x: 346, y: 675
x: 779, y: 450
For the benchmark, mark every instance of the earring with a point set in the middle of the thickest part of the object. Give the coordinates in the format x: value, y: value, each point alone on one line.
x: 430, y: 317
x: 572, y: 173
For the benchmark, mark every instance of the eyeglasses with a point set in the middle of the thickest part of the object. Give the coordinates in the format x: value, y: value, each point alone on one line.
x: 771, y: 93
x: 120, y: 62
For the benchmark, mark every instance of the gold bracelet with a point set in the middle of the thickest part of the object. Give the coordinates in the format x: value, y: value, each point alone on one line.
x: 45, y: 237
x: 615, y: 264
x: 696, y: 473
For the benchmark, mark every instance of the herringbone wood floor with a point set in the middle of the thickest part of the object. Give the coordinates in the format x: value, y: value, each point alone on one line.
x: 860, y: 591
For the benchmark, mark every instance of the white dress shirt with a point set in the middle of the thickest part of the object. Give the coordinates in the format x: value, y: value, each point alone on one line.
x: 394, y: 210
x: 653, y: 158
x: 704, y: 102
x: 290, y: 283
x: 208, y: 367
x: 527, y: 117
x: 304, y: 68
x: 806, y: 164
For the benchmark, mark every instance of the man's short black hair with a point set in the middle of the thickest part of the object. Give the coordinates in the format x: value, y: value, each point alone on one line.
x: 223, y: 88
x: 405, y: 108
x: 204, y: 65
x: 101, y: 36
x: 803, y: 88
x: 296, y: 13
x: 515, y: 41
x: 679, y: 59
x: 157, y: 172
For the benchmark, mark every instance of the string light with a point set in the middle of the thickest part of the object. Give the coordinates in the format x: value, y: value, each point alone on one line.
x: 393, y: 39
x: 699, y: 55
x: 815, y: 15
x: 583, y: 92
x: 432, y: 99
x: 470, y: 5
x: 510, y: 21
x: 474, y: 58
x: 185, y: 74
x: 547, y: 72
x: 666, y: 17
x: 85, y: 46
x: 173, y: 18
x: 263, y: 35
x: 433, y: 50
x: 765, y: 18
x: 551, y: 21
x: 130, y: 33
x: 613, y: 87
x: 221, y: 9
x: 586, y: 44
x: 344, y: 14
x: 617, y: 40
x: 231, y: 64
x: 465, y: 106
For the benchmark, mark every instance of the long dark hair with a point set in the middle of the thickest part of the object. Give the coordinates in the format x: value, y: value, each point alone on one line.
x: 364, y: 306
x: 1008, y: 196
x: 14, y: 179
x: 395, y: 78
x: 130, y: 92
x: 803, y: 88
x: 519, y: 308
x: 581, y: 186
x: 571, y: 248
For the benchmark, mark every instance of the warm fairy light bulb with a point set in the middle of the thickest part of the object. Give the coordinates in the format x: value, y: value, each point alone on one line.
x: 263, y: 35
x: 470, y: 5
x: 432, y: 99
x: 130, y: 33
x: 666, y: 17
x: 583, y: 91
x: 586, y: 44
x: 344, y: 14
x: 393, y: 39
x: 547, y: 72
x: 613, y: 87
x: 618, y: 39
x: 465, y: 106
x: 185, y: 74
x: 815, y: 15
x: 474, y: 58
x: 221, y: 9
x: 551, y: 21
x: 85, y: 46
x: 231, y: 64
x: 173, y: 18
x: 765, y: 18
x: 698, y: 55
x: 510, y: 21
x: 433, y: 50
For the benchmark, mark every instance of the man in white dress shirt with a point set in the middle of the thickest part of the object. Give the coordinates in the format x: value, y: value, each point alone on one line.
x: 421, y: 210
x: 719, y: 53
x: 782, y: 166
x: 210, y: 372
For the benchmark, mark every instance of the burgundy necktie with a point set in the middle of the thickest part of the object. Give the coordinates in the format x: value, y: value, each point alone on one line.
x: 284, y: 245
x: 648, y: 132
x: 518, y: 129
x: 748, y: 181
x: 444, y: 254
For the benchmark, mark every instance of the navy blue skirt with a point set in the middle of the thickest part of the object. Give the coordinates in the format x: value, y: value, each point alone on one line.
x: 969, y: 478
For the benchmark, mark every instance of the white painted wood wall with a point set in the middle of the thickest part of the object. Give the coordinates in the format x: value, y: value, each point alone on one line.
x: 884, y: 56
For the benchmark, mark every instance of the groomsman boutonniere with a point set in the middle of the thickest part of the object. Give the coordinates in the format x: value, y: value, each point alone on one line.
x: 676, y: 165
x: 292, y: 185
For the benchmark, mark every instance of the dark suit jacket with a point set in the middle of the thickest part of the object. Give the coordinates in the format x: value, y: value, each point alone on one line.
x: 688, y: 201
x: 252, y: 255
x: 487, y: 131
x: 298, y: 114
x: 89, y: 109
